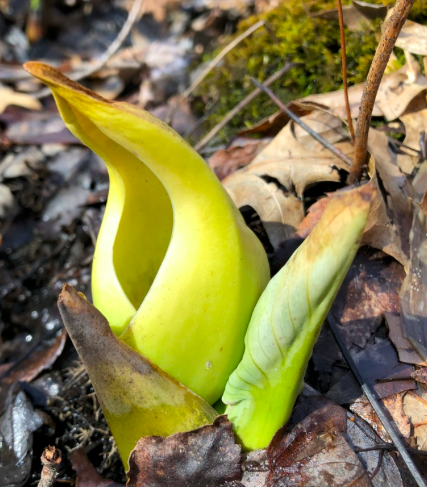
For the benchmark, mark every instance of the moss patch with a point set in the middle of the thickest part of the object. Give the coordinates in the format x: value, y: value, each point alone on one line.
x: 292, y: 35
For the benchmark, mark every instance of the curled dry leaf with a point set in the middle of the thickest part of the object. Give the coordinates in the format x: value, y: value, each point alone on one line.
x: 396, y: 91
x: 274, y: 183
x: 205, y: 457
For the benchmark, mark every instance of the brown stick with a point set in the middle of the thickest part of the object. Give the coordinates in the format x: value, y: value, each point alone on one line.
x: 344, y: 71
x: 382, y: 55
x: 51, y: 461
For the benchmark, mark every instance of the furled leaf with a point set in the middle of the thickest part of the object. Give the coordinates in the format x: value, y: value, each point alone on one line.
x: 287, y: 319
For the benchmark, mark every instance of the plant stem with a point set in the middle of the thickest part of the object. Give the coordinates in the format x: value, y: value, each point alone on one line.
x: 344, y: 71
x: 388, y: 39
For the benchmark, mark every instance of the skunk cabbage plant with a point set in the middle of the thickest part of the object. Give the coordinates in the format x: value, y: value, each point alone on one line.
x: 287, y: 320
x: 138, y: 398
x: 177, y: 275
x: 176, y: 271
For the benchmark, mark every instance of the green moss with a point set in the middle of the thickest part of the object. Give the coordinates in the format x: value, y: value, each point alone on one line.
x: 292, y: 35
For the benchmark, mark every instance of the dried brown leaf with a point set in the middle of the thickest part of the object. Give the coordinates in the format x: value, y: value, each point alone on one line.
x: 87, y: 476
x: 413, y: 38
x: 394, y: 405
x: 403, y: 346
x: 242, y: 151
x: 396, y: 91
x: 274, y: 182
x: 205, y: 457
x: 315, y: 453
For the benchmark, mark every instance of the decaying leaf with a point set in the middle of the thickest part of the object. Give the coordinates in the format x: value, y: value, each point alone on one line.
x: 274, y: 182
x: 314, y: 452
x: 240, y: 153
x: 389, y: 224
x: 205, y: 457
x: 379, y: 366
x: 87, y: 476
x: 8, y: 96
x: 394, y: 405
x: 415, y: 406
x: 413, y: 38
x: 396, y: 91
x: 414, y: 312
x: 370, y: 289
x: 18, y: 421
x: 404, y: 348
x: 376, y: 461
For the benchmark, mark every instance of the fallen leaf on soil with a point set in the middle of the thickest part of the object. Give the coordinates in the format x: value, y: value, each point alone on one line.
x: 389, y: 224
x: 8, y: 96
x: 370, y: 289
x: 241, y: 152
x: 40, y: 358
x: 205, y: 457
x: 403, y: 346
x: 17, y: 424
x: 420, y: 375
x: 274, y: 182
x: 315, y: 453
x: 87, y: 476
x: 396, y: 91
x: 394, y: 405
x: 415, y: 406
x: 413, y: 38
x: 380, y: 368
x: 412, y: 295
x: 375, y: 460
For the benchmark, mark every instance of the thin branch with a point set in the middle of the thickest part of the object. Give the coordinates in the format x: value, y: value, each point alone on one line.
x: 242, y: 104
x: 375, y: 403
x: 134, y: 15
x: 344, y: 71
x: 382, y: 55
x: 302, y: 124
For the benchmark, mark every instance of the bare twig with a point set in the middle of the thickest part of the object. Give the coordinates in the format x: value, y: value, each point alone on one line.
x: 344, y: 71
x: 134, y: 14
x: 302, y: 124
x: 375, y: 403
x: 51, y: 461
x: 234, y: 111
x: 382, y: 55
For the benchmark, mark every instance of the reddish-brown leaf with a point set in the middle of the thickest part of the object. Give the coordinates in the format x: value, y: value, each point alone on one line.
x: 205, y: 457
